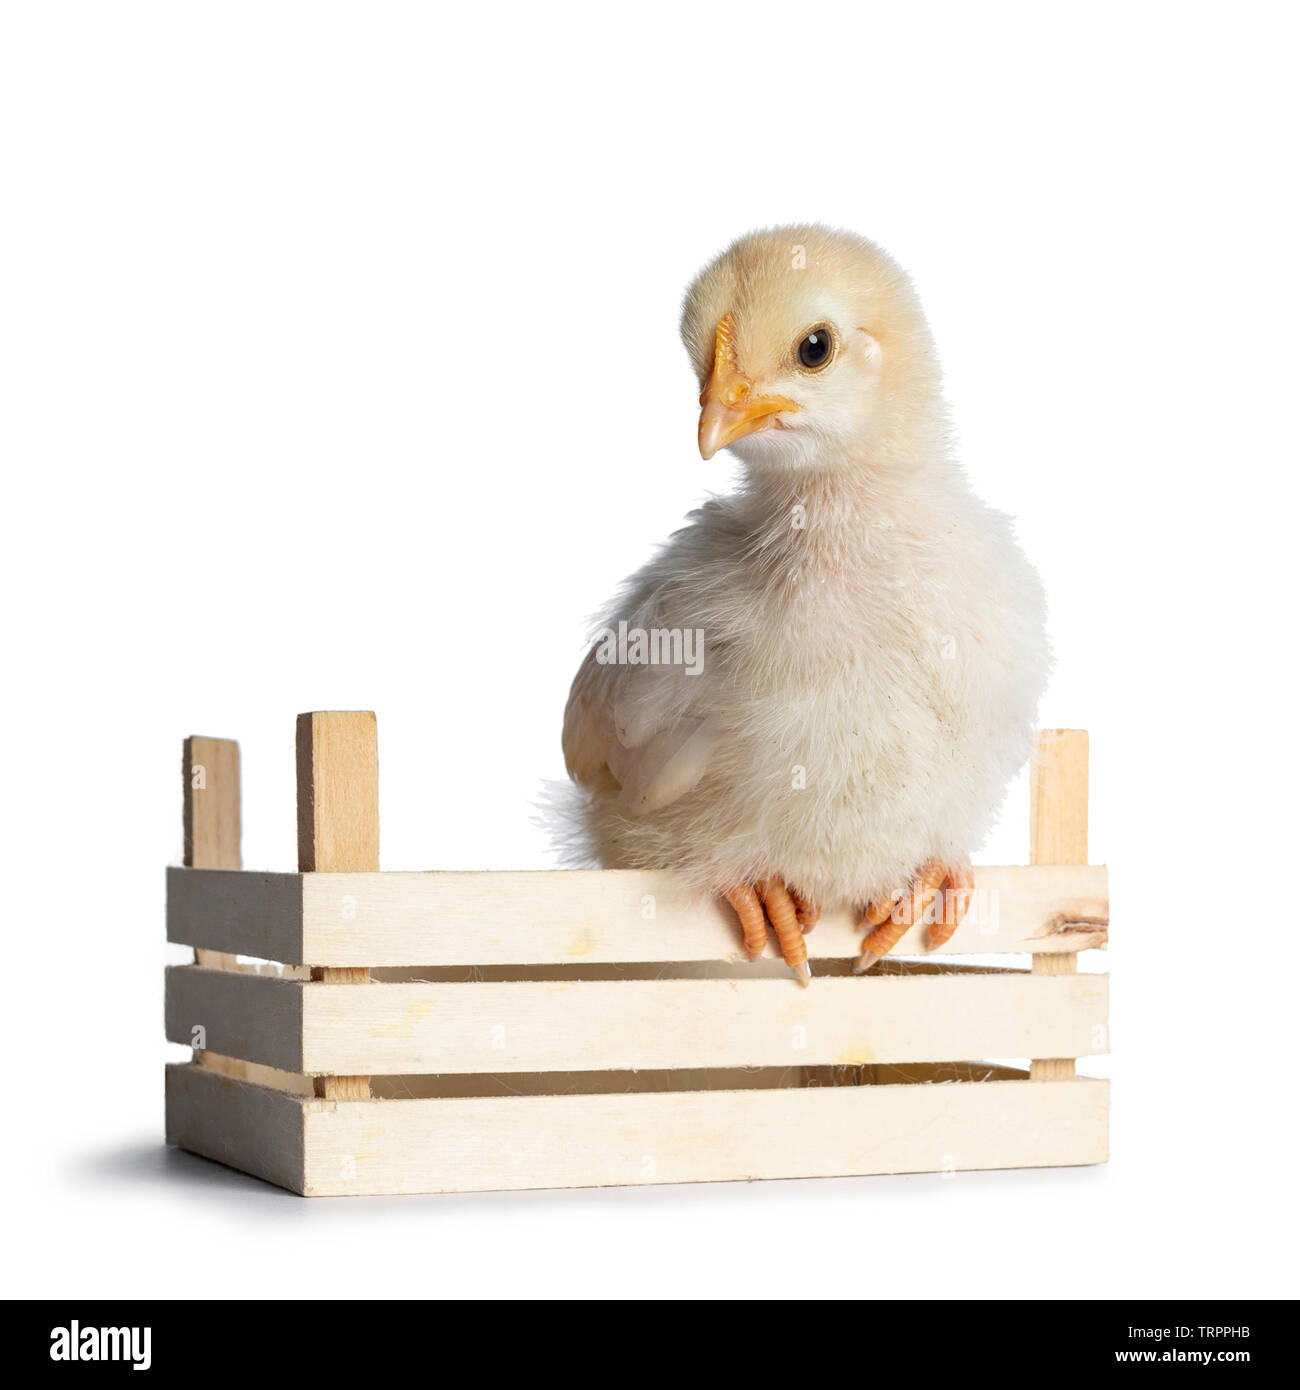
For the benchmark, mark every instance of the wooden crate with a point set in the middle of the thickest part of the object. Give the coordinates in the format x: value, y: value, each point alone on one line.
x: 457, y: 1032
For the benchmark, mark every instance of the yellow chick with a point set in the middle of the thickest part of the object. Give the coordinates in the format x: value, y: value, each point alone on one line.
x: 816, y: 693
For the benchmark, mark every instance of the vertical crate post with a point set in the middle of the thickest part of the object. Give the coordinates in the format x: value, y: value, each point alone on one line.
x: 338, y: 827
x: 210, y: 818
x: 1058, y: 834
x: 210, y: 798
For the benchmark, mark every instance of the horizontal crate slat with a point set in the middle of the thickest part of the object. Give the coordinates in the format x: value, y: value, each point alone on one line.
x: 248, y: 1017
x: 253, y: 1128
x: 571, y: 917
x: 338, y: 1148
x: 252, y: 914
x: 601, y: 1025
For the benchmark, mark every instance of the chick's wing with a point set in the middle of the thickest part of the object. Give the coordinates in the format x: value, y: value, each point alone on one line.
x: 640, y: 728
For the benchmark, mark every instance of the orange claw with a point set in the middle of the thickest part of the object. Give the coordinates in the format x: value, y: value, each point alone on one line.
x: 958, y: 889
x: 879, y: 942
x: 891, y: 917
x: 791, y: 914
x: 807, y: 911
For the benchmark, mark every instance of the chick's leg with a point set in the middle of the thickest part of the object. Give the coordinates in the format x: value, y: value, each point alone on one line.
x: 939, y: 897
x: 791, y: 915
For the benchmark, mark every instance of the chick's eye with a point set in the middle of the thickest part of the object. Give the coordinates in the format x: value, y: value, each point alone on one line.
x: 815, y: 350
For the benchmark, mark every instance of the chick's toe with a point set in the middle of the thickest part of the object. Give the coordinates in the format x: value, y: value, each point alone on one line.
x: 791, y: 915
x: 890, y: 917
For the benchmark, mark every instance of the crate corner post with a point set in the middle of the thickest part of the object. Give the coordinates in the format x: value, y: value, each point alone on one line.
x: 338, y: 829
x: 212, y: 820
x: 1058, y: 834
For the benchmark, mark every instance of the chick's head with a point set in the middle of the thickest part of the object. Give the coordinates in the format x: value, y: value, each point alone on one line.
x: 810, y: 345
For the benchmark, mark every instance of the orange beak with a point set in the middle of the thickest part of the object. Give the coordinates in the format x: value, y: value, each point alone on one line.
x: 731, y: 409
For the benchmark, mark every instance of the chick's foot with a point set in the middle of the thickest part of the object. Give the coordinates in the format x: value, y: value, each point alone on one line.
x: 790, y: 913
x: 939, y: 896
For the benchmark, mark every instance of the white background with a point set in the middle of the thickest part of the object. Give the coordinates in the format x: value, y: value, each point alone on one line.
x: 340, y: 370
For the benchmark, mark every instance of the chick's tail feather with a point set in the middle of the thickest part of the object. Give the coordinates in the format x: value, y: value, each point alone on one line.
x: 561, y: 811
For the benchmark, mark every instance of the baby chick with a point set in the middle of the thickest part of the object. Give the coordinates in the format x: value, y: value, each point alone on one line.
x: 825, y: 681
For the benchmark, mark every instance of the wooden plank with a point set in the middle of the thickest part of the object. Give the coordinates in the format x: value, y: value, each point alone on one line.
x: 332, y: 1148
x: 528, y: 1026
x: 570, y: 917
x: 210, y: 802
x: 609, y: 916
x: 210, y: 814
x: 338, y: 827
x: 606, y: 916
x: 486, y: 1144
x: 248, y: 1017
x: 253, y: 914
x: 211, y: 834
x: 1058, y: 798
x: 1058, y: 834
x: 254, y: 1128
x: 338, y: 792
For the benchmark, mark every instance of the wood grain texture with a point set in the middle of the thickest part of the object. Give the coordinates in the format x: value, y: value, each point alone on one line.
x: 210, y: 815
x: 1058, y: 798
x: 337, y: 1148
x: 1058, y: 834
x: 338, y: 792
x: 611, y: 916
x: 604, y: 916
x: 331, y: 1029
x: 596, y: 1026
x: 211, y: 809
x: 477, y: 1145
x: 338, y: 826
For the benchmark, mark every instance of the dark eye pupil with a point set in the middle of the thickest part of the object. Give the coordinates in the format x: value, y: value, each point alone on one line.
x: 815, y: 348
